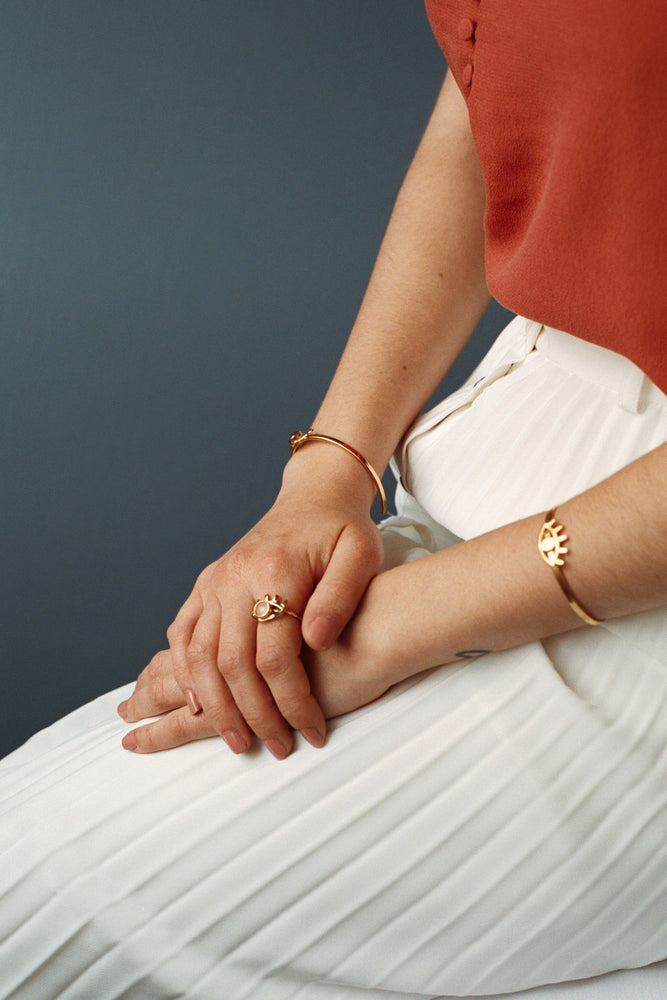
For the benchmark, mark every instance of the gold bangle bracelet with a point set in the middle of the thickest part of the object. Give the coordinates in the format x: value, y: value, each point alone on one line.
x: 300, y: 438
x: 551, y: 548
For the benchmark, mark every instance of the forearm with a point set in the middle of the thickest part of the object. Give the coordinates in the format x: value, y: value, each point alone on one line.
x: 495, y: 592
x: 426, y: 294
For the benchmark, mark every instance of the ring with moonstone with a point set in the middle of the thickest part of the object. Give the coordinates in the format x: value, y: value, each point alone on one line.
x: 267, y: 608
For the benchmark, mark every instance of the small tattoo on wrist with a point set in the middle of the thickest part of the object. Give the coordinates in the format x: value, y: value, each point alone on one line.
x: 472, y: 654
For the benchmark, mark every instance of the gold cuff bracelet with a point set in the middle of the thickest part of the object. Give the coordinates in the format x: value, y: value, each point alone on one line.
x: 299, y: 438
x: 551, y: 548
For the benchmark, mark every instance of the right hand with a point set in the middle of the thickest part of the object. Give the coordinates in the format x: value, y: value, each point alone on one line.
x: 317, y: 548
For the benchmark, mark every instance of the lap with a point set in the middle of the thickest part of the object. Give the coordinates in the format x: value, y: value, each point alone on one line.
x: 480, y: 829
x: 483, y: 828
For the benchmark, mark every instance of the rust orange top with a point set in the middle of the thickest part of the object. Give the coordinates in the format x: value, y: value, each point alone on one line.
x: 567, y: 107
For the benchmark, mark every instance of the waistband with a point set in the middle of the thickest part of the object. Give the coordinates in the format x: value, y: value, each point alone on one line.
x: 634, y: 389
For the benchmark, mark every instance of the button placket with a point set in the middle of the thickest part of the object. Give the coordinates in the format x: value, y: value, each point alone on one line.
x: 466, y: 32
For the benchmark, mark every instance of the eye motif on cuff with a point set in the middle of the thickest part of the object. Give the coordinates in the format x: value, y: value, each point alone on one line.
x: 550, y: 543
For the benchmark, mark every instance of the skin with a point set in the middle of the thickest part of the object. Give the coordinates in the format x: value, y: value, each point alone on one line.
x: 319, y: 546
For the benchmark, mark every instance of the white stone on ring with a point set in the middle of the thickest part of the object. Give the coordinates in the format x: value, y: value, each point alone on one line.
x: 267, y: 608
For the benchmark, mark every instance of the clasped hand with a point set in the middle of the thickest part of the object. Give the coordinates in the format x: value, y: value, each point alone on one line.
x: 226, y: 674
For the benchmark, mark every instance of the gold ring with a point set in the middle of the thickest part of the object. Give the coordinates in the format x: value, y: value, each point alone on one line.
x: 267, y: 608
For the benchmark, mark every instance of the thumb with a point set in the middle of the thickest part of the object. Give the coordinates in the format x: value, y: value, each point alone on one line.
x: 353, y: 563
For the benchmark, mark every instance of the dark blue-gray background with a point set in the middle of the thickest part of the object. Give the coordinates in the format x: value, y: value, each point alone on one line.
x: 191, y: 198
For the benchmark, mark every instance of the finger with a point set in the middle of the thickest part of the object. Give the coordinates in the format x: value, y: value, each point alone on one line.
x: 236, y: 661
x: 212, y: 690
x: 200, y: 669
x: 161, y: 664
x: 179, y: 636
x: 354, y: 561
x: 159, y: 668
x: 173, y: 730
x: 161, y: 695
x: 279, y: 664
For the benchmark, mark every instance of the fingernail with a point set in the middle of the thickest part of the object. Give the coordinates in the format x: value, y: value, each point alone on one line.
x: 193, y: 702
x: 130, y: 741
x: 314, y: 737
x: 122, y: 710
x: 277, y: 749
x: 322, y: 633
x: 235, y: 742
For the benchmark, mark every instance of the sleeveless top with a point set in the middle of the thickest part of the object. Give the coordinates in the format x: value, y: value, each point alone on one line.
x: 567, y: 109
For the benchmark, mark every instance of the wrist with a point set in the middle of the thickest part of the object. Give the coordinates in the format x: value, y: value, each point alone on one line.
x: 322, y: 468
x: 300, y: 438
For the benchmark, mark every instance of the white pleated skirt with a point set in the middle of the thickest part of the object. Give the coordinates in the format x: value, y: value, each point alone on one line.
x: 487, y: 827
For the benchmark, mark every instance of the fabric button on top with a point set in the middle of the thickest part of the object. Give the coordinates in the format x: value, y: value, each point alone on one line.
x: 466, y: 29
x: 466, y: 76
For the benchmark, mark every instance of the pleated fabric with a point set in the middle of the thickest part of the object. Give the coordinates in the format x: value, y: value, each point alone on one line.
x: 487, y: 827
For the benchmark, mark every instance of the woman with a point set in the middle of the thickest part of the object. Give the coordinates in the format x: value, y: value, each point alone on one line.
x: 472, y: 823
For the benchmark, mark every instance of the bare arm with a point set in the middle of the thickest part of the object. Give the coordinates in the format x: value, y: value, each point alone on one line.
x: 317, y: 545
x: 426, y: 294
x: 495, y: 592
